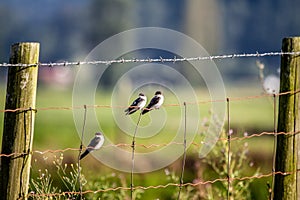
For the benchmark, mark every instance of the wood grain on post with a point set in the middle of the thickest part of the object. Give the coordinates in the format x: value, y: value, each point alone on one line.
x: 287, y: 186
x: 18, y: 125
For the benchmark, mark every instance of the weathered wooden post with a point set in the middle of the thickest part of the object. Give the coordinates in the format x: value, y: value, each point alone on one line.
x: 287, y: 186
x: 18, y: 125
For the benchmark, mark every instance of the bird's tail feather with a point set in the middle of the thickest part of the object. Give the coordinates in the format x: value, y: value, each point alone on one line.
x: 145, y: 111
x: 84, y: 154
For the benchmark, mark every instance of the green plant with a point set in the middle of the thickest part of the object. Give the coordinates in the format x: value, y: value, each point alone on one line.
x: 187, y: 192
x: 215, y: 166
x: 219, y: 161
x: 69, y: 175
x: 43, y: 184
x: 111, y: 180
x: 42, y: 187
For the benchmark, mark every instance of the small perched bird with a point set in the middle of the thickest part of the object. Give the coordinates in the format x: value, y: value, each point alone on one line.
x: 138, y: 104
x: 95, y: 144
x: 155, y: 102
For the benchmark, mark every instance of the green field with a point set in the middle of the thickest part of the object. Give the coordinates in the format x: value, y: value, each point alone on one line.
x: 55, y: 129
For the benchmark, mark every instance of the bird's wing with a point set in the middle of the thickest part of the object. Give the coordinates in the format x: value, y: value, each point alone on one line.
x: 94, y: 143
x: 137, y: 102
x: 153, y: 101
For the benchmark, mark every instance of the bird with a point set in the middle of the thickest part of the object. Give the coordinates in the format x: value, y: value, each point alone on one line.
x: 138, y: 104
x: 95, y: 144
x: 155, y: 102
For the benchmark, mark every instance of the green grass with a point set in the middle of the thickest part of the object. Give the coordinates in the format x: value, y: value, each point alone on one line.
x: 55, y: 129
x: 252, y: 115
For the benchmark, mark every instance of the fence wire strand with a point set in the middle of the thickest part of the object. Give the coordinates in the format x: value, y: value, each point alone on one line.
x: 166, y: 105
x: 149, y: 60
x: 147, y: 146
x: 260, y: 176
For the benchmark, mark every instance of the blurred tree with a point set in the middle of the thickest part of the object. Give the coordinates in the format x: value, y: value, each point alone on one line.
x: 68, y: 31
x: 203, y: 23
x: 107, y: 18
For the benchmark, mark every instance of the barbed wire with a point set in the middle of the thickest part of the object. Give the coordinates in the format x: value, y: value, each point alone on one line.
x: 194, y: 184
x: 149, y: 60
x: 166, y: 105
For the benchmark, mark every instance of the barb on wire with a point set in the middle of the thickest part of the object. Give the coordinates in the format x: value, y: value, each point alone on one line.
x: 184, y: 153
x: 148, y: 60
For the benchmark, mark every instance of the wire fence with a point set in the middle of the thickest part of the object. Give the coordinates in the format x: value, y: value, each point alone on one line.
x: 181, y: 184
x: 229, y: 176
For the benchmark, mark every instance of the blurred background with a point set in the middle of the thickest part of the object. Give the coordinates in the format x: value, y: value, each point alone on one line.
x: 68, y: 31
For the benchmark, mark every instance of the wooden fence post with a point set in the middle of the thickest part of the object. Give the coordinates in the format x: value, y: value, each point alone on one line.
x: 287, y: 186
x: 18, y: 125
